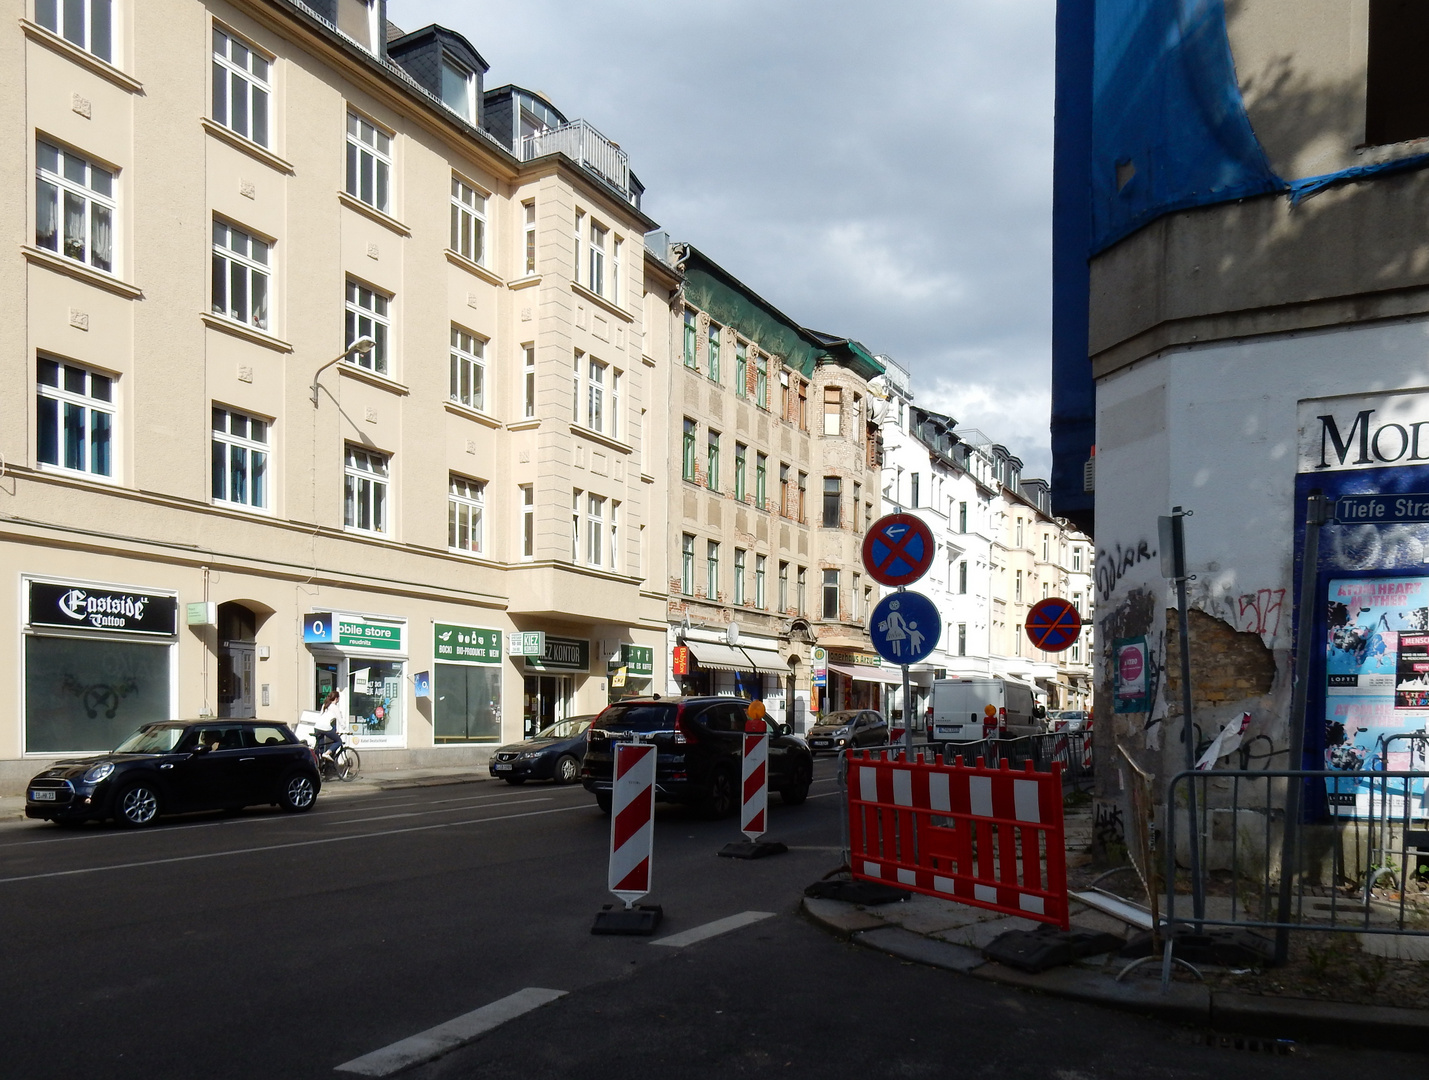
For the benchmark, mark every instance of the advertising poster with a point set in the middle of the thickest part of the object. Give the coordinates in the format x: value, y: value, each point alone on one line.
x: 1131, y: 674
x: 1376, y: 686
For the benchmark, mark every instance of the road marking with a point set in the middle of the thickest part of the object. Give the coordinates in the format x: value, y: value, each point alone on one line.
x: 709, y: 930
x: 296, y: 843
x: 444, y: 1038
x: 827, y: 795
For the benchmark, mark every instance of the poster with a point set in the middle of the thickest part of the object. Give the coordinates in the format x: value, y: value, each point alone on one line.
x: 1376, y: 687
x: 1131, y: 674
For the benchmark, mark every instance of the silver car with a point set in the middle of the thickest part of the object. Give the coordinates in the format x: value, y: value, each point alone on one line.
x: 848, y: 729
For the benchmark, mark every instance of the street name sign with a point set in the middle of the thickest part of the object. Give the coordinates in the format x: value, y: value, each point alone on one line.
x: 1404, y: 508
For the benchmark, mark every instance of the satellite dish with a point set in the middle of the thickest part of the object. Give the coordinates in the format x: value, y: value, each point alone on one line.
x: 731, y: 633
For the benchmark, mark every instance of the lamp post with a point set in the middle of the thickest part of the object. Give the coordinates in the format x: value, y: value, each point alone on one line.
x: 362, y: 346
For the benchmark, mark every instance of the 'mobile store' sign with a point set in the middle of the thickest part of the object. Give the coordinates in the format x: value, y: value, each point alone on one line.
x: 339, y: 631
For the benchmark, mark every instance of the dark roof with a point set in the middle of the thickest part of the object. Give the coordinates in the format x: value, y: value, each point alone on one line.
x: 450, y: 40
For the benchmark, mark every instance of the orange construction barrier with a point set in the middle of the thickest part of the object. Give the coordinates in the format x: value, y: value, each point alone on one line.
x: 993, y: 838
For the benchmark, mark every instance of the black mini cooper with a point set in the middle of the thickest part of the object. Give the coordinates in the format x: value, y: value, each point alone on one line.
x: 179, y: 765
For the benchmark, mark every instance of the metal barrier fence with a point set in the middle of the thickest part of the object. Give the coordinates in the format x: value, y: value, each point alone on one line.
x: 1070, y: 749
x: 1364, y: 870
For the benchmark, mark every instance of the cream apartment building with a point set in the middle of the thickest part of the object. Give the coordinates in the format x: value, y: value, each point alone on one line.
x: 319, y: 382
x: 776, y: 479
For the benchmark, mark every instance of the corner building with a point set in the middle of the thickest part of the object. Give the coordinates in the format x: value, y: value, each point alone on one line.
x: 320, y: 381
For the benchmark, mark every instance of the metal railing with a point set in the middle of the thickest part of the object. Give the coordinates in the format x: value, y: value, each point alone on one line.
x: 584, y: 144
x: 1070, y: 748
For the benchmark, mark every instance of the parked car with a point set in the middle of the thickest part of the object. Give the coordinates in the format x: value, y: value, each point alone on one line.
x: 554, y: 753
x: 699, y: 746
x: 1070, y: 719
x: 847, y: 730
x: 180, y: 765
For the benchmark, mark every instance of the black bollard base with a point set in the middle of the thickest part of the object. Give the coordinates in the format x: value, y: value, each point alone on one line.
x: 752, y: 849
x: 640, y: 920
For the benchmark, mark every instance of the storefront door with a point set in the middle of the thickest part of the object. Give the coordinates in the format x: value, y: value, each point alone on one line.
x: 236, y: 655
x: 546, y: 701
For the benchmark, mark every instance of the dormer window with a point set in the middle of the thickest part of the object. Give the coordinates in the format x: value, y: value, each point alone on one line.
x: 458, y: 90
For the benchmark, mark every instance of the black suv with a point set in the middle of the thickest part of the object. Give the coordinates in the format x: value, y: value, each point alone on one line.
x: 698, y: 747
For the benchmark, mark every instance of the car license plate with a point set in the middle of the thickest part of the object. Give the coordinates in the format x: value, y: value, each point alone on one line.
x: 42, y: 796
x: 821, y: 742
x: 503, y: 766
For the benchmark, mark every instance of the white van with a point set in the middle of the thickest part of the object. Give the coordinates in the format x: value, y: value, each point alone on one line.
x: 960, y: 709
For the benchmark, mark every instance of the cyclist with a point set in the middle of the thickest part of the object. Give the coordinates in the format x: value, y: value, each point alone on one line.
x: 332, y: 714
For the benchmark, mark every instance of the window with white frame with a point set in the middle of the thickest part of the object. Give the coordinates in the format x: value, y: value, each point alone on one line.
x: 468, y: 369
x: 468, y: 222
x: 466, y: 500
x: 74, y: 414
x: 612, y: 407
x: 576, y: 525
x: 833, y: 411
x: 368, y: 316
x: 739, y: 557
x: 528, y: 210
x: 528, y: 379
x: 760, y: 563
x: 595, y: 531
x: 580, y: 224
x: 240, y: 87
x: 241, y: 269
x: 240, y: 459
x: 595, y: 396
x: 596, y: 281
x: 86, y: 23
x: 75, y: 206
x: 783, y: 587
x: 365, y: 482
x: 616, y: 247
x: 458, y: 89
x: 576, y: 369
x: 614, y: 535
x: 528, y: 521
x: 369, y: 163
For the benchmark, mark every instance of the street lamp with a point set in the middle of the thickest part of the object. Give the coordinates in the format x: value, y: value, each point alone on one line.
x: 362, y: 346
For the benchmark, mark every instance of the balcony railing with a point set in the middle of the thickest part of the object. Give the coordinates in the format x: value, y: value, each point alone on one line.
x: 581, y: 142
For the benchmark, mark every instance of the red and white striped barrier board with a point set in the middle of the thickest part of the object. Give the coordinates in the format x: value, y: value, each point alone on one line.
x: 992, y: 838
x: 1087, y: 751
x: 754, y: 785
x: 632, y: 821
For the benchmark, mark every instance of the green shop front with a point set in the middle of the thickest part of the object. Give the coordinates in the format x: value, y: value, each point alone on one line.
x: 630, y: 671
x: 466, y: 691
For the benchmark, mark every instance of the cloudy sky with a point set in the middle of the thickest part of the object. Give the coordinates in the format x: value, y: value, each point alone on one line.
x: 876, y: 170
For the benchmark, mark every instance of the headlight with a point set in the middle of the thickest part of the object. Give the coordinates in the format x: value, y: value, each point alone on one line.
x: 98, y: 772
x: 529, y: 755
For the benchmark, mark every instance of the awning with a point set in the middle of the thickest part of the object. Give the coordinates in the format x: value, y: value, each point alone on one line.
x: 882, y: 674
x: 718, y: 657
x: 766, y: 660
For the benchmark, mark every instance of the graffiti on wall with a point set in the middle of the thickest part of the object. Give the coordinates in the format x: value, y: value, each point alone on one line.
x: 1113, y: 564
x: 1259, y: 612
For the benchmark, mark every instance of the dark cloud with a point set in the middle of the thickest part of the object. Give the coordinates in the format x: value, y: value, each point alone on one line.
x: 880, y: 171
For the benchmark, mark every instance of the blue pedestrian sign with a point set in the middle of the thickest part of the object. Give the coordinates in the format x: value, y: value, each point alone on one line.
x: 905, y: 627
x: 1382, y: 509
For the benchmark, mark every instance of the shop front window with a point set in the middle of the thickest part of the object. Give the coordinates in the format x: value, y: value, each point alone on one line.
x: 84, y: 694
x: 374, y: 696
x: 467, y: 706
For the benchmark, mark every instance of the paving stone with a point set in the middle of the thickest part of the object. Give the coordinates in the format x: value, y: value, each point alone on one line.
x: 976, y: 935
x: 923, y: 950
x: 841, y: 917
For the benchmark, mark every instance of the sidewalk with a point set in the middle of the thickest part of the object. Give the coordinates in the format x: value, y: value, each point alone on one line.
x: 944, y: 934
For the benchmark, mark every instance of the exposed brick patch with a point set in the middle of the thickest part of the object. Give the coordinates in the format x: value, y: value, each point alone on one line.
x: 1226, y: 665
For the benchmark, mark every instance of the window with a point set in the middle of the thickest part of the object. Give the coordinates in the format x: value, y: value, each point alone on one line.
x: 365, y: 479
x: 687, y: 468
x: 595, y: 396
x: 576, y: 525
x: 803, y: 406
x: 913, y: 490
x: 240, y: 459
x: 1395, y: 106
x: 615, y: 249
x: 687, y: 564
x: 580, y: 224
x: 1017, y: 595
x: 761, y: 381
x: 457, y: 93
x: 367, y: 316
x: 963, y: 577
x: 74, y: 207
x: 369, y: 163
x: 89, y: 25
x: 1076, y: 558
x: 612, y: 408
x: 832, y: 411
x: 761, y: 480
x: 803, y: 498
x: 528, y: 381
x: 831, y: 594
x: 962, y: 639
x: 74, y: 413
x: 783, y: 587
x: 799, y: 591
x: 1017, y: 640
x: 786, y: 492
x: 468, y: 222
x: 528, y: 209
x: 1018, y: 542
x: 712, y: 569
x: 528, y: 521
x: 784, y: 395
x: 468, y: 370
x: 712, y: 462
x: 465, y: 499
x: 739, y: 554
x: 1046, y: 547
x: 240, y: 276
x: 962, y: 517
x: 1045, y: 588
x: 833, y: 496
x: 615, y: 534
x: 760, y: 562
x: 741, y: 455
x: 576, y: 387
x: 867, y: 516
x: 595, y: 533
x: 712, y: 368
x: 691, y: 338
x: 1077, y: 602
x: 240, y: 88
x: 857, y: 499
x: 597, y: 259
x: 741, y: 369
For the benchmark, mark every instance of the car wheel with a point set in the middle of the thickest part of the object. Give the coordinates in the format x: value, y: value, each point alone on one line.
x: 568, y: 770
x: 514, y: 781
x: 602, y: 800
x: 798, y: 791
x: 722, y: 799
x: 136, y: 806
x: 298, y: 792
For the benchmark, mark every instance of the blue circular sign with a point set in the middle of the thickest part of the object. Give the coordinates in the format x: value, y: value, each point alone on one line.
x: 905, y: 627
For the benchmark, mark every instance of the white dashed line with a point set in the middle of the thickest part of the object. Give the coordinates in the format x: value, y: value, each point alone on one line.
x: 709, y: 930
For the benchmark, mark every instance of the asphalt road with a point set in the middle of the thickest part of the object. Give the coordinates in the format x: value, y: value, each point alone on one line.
x: 270, y: 945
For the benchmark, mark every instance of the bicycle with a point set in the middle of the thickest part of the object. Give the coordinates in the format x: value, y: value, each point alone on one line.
x: 341, y: 762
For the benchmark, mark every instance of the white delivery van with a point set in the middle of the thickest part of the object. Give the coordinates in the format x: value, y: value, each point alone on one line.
x: 960, y: 709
